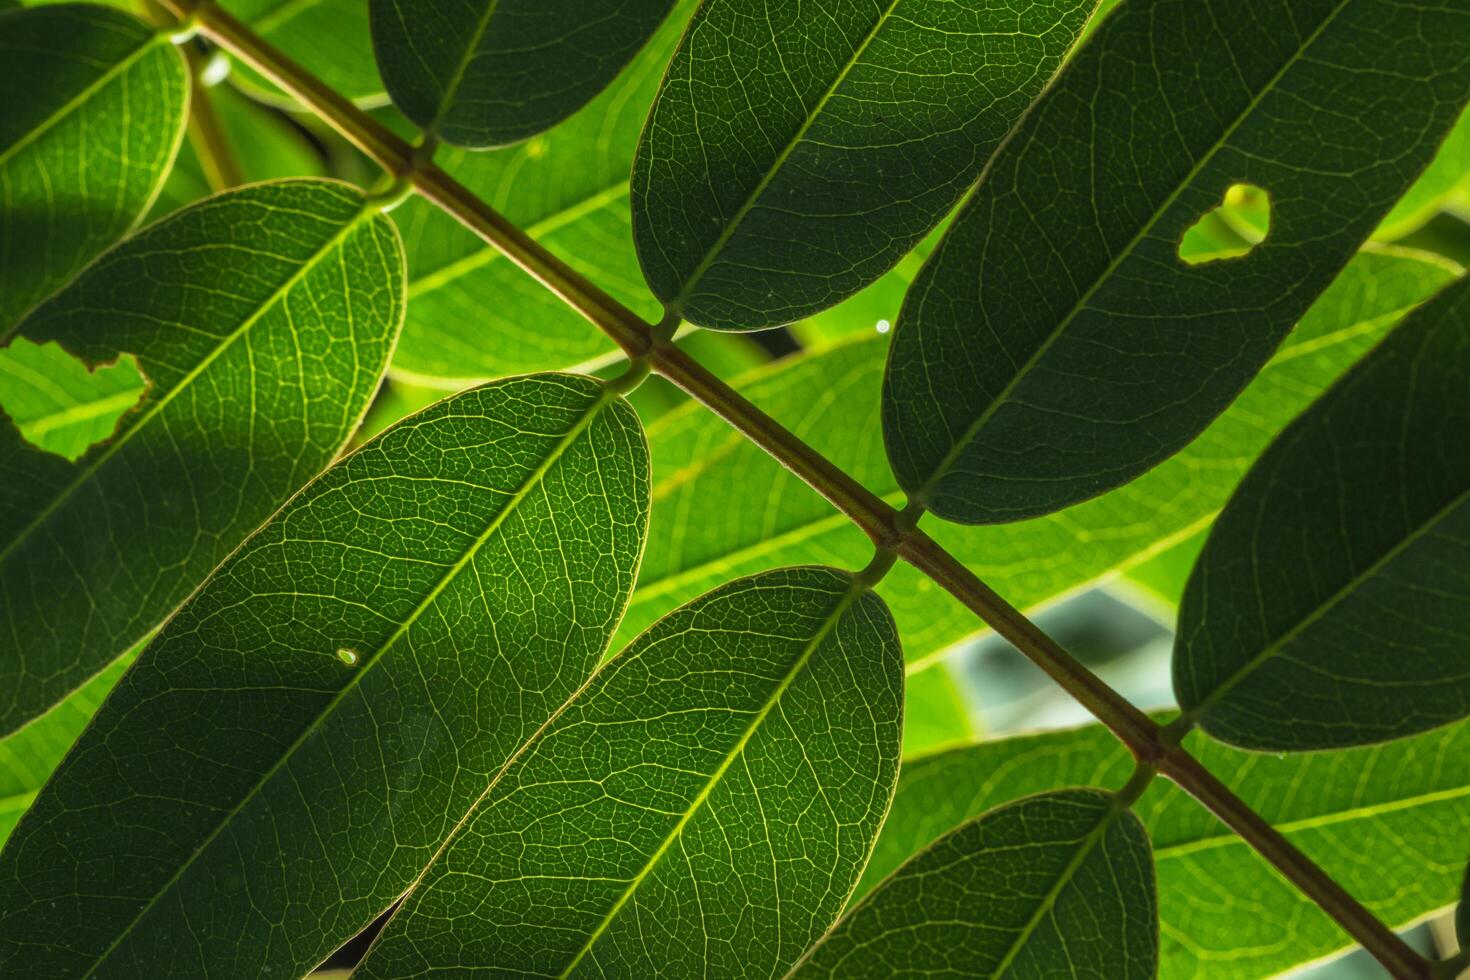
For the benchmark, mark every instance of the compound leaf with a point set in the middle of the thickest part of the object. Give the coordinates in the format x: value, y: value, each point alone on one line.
x: 1331, y: 603
x: 481, y: 73
x: 94, y: 111
x: 1386, y: 821
x: 753, y: 514
x: 1061, y: 884
x: 703, y: 807
x: 795, y: 154
x: 311, y: 726
x: 261, y: 320
x: 472, y: 314
x: 1056, y: 345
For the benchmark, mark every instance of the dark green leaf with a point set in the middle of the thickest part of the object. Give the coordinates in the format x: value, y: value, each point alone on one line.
x: 1056, y: 345
x: 94, y: 104
x: 473, y: 315
x: 702, y: 808
x: 261, y: 320
x: 1331, y: 604
x: 1056, y: 885
x: 312, y: 725
x: 329, y: 38
x: 795, y: 154
x: 1388, y: 822
x: 484, y: 73
x: 753, y: 514
x: 28, y: 757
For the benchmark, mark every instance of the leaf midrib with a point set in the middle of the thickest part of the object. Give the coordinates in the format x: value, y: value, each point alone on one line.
x: 533, y: 480
x: 452, y: 89
x: 1321, y: 609
x: 1048, y: 901
x: 844, y: 602
x: 711, y: 255
x: 144, y: 48
x: 960, y: 445
x: 365, y: 215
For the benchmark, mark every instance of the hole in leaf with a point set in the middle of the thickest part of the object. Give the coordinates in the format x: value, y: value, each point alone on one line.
x: 348, y: 657
x: 1238, y: 225
x: 60, y: 404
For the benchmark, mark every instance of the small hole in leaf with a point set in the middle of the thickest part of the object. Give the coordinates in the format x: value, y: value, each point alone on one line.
x: 58, y: 403
x: 1238, y: 225
x: 348, y: 657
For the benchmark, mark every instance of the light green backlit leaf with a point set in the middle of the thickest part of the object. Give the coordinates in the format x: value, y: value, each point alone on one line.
x: 473, y: 315
x: 329, y: 38
x: 702, y: 808
x: 797, y: 150
x: 313, y: 724
x: 1056, y: 345
x: 481, y: 73
x: 753, y: 514
x: 1331, y: 604
x: 1447, y: 174
x: 1058, y: 885
x: 94, y: 104
x: 262, y: 320
x: 1388, y: 822
x: 29, y: 756
x: 58, y: 404
x: 935, y: 714
x: 1463, y: 919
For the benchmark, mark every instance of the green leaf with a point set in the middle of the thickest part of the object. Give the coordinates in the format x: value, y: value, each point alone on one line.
x: 1060, y: 884
x: 1448, y: 173
x: 1056, y: 345
x: 792, y: 157
x: 1388, y: 822
x: 58, y: 404
x: 1463, y: 920
x: 312, y: 725
x: 934, y: 711
x: 261, y: 320
x: 472, y: 314
x: 329, y: 38
x: 753, y: 514
x: 1331, y: 604
x: 493, y: 72
x: 1163, y: 576
x: 94, y: 111
x: 29, y: 756
x: 702, y: 808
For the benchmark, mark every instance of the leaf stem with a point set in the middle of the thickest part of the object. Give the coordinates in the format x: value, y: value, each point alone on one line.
x: 207, y: 133
x: 890, y: 530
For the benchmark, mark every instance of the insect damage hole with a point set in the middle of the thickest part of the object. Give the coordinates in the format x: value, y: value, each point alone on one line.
x: 61, y: 405
x: 1240, y: 223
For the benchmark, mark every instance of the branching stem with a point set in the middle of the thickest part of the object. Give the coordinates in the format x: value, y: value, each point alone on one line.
x: 890, y: 530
